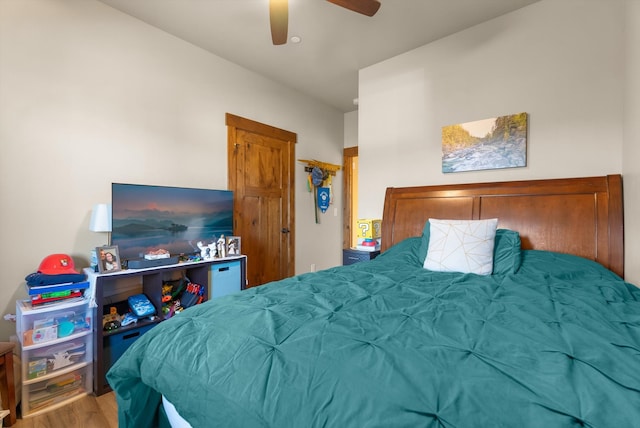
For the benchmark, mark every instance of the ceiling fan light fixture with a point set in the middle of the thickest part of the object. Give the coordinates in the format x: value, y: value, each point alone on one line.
x: 279, y: 20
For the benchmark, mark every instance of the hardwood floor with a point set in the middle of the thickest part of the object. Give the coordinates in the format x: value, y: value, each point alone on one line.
x: 87, y: 412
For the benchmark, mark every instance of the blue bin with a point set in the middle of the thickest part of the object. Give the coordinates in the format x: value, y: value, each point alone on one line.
x: 116, y: 344
x: 225, y: 278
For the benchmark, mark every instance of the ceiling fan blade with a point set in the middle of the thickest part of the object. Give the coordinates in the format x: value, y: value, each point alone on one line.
x: 279, y: 18
x: 365, y: 7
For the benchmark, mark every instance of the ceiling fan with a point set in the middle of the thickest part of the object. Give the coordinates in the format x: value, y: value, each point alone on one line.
x: 279, y: 15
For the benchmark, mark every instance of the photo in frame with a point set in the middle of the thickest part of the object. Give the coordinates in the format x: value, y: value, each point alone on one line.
x: 108, y: 259
x: 234, y: 244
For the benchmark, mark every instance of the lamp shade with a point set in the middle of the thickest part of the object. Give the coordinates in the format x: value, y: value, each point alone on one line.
x: 100, y: 218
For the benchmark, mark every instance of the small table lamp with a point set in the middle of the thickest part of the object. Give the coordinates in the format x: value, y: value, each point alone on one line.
x: 101, y: 220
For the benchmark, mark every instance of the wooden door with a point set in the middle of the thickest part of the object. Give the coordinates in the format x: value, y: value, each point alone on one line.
x: 261, y: 175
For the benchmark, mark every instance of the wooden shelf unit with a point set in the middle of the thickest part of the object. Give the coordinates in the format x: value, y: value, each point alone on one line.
x: 111, y: 289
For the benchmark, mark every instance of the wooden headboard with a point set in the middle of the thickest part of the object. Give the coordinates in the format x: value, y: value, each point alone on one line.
x: 581, y: 216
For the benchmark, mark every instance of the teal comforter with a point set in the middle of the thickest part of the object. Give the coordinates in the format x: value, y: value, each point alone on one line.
x: 387, y: 343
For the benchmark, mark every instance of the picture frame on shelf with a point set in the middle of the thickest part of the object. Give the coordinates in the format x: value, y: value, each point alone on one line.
x: 108, y: 259
x: 234, y: 245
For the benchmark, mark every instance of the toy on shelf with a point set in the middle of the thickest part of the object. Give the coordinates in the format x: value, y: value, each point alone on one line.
x: 368, y: 234
x: 208, y: 251
x: 111, y: 321
x: 156, y: 254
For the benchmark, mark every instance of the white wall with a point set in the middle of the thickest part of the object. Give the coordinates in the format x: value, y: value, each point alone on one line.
x: 560, y: 61
x: 351, y: 129
x: 90, y: 96
x: 631, y: 148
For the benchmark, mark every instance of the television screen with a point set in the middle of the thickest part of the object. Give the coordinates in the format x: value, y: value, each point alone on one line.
x: 147, y: 218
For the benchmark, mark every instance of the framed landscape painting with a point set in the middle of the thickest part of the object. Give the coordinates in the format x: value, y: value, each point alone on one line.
x: 499, y: 142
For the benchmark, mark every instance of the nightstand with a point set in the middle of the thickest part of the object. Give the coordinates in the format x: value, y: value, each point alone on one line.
x: 351, y: 256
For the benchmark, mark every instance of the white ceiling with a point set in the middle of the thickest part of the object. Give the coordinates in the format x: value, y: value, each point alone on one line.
x: 335, y: 44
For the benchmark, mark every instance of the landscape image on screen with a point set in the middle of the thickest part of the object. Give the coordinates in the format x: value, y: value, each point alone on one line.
x: 147, y: 218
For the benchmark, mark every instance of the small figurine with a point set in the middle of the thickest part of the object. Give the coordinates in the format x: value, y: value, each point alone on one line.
x: 222, y: 250
x: 209, y: 251
x: 111, y: 321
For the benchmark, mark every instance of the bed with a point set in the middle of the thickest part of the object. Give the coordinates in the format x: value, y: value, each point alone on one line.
x: 549, y: 338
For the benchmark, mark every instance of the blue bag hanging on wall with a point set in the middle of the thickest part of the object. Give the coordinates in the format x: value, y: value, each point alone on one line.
x: 323, y: 198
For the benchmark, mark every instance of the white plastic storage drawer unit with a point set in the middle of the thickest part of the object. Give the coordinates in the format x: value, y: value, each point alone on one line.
x: 56, y: 348
x: 50, y: 393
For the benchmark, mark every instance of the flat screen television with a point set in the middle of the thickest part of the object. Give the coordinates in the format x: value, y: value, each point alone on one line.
x: 146, y: 218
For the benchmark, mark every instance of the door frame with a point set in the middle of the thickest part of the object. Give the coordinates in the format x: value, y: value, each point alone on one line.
x: 348, y: 177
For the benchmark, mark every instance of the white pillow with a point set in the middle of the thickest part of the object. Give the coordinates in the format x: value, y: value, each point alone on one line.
x: 461, y: 246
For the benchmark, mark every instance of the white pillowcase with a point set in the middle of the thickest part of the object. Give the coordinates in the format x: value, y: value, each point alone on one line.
x: 461, y: 246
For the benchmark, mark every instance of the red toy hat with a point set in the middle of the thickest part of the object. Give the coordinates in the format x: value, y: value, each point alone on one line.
x: 57, y: 264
